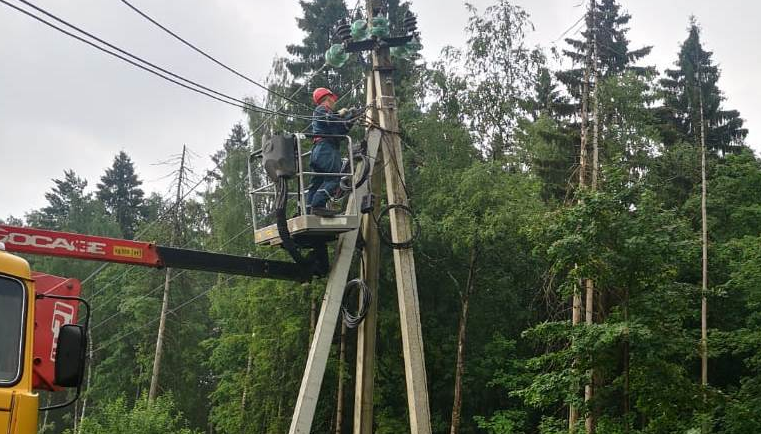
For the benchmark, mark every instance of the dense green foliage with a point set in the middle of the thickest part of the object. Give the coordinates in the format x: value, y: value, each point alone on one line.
x: 491, y: 141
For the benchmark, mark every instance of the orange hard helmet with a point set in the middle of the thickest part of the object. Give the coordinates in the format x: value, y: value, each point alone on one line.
x: 320, y: 93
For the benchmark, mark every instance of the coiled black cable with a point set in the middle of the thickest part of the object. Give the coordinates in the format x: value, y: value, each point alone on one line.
x: 385, y: 237
x: 365, y: 299
x: 345, y: 182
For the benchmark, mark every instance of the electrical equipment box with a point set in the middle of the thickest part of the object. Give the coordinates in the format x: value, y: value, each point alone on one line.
x: 284, y: 156
x: 279, y: 156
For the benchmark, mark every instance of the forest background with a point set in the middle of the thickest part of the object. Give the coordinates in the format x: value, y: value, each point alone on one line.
x: 517, y: 217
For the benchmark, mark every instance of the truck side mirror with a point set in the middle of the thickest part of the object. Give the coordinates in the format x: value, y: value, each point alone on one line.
x: 70, y: 356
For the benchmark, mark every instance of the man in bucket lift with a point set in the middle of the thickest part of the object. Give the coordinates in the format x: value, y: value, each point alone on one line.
x: 326, y: 155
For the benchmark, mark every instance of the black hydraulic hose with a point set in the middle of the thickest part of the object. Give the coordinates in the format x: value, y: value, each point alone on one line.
x: 281, y: 200
x: 317, y: 262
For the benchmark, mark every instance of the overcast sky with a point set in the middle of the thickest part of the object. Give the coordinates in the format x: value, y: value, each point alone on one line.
x: 64, y: 105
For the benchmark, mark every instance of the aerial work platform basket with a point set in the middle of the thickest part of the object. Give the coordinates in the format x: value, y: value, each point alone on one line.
x: 305, y: 229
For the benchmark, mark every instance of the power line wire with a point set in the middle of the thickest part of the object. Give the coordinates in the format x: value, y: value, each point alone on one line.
x: 144, y: 296
x: 139, y: 59
x: 570, y: 28
x: 203, y: 90
x: 306, y: 82
x: 79, y: 38
x: 208, y: 56
x: 171, y: 311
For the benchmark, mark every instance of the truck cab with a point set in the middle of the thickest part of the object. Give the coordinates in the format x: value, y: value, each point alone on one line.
x: 41, y: 346
x: 18, y: 402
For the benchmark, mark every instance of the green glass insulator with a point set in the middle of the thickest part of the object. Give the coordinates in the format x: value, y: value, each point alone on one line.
x: 399, y: 52
x: 379, y: 27
x: 359, y: 30
x: 413, y: 46
x: 336, y: 56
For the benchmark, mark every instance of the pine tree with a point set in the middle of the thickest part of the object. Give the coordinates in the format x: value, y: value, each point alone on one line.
x: 65, y: 199
x: 228, y: 202
x: 695, y: 73
x: 547, y: 138
x: 120, y: 193
x: 318, y: 22
x: 548, y: 100
x: 614, y: 55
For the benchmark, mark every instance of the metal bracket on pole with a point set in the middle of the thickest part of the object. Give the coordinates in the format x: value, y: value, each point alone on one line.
x: 386, y: 102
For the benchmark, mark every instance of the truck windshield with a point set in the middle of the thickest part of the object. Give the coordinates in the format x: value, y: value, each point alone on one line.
x: 12, y: 314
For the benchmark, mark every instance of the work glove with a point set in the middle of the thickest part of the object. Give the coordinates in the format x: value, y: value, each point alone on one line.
x: 343, y: 112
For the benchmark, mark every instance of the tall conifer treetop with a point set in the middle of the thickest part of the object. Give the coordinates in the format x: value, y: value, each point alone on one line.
x: 614, y: 55
x: 120, y: 193
x: 696, y: 74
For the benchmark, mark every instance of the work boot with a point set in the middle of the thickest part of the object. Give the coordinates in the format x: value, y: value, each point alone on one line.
x: 324, y: 212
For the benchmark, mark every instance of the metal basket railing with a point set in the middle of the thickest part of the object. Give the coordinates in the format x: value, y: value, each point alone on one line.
x: 262, y: 190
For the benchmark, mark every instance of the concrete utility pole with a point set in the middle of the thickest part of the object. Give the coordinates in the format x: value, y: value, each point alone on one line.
x: 167, y: 278
x: 370, y: 273
x: 383, y: 145
x: 401, y: 229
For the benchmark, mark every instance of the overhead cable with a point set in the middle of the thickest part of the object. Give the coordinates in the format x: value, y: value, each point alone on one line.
x: 203, y: 90
x: 79, y: 38
x: 208, y: 56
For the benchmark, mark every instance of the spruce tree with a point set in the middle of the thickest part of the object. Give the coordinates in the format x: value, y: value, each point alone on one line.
x: 120, y: 193
x: 319, y: 23
x: 610, y: 25
x: 65, y: 198
x: 695, y: 73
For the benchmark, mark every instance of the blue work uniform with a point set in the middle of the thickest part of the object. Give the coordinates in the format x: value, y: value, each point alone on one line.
x: 326, y: 155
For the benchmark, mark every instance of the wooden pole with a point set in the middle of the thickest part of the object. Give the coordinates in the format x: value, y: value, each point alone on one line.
x: 167, y: 278
x: 306, y: 402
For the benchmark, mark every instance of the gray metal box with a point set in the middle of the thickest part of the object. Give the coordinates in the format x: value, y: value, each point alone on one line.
x: 279, y: 156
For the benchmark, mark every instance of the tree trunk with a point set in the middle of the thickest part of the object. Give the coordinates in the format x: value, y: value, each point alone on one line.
x: 573, y: 413
x: 341, y: 369
x: 49, y: 398
x: 167, y: 278
x: 461, y: 337
x: 245, y: 381
x: 589, y: 390
x: 89, y: 375
x: 589, y: 421
x: 626, y: 361
x: 704, y: 232
x: 76, y: 414
x: 312, y: 320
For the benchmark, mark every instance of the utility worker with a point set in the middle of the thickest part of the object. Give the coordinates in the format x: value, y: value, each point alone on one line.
x: 326, y: 156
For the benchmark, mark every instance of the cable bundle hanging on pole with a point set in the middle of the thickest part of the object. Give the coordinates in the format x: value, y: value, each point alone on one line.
x: 386, y: 237
x: 365, y: 300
